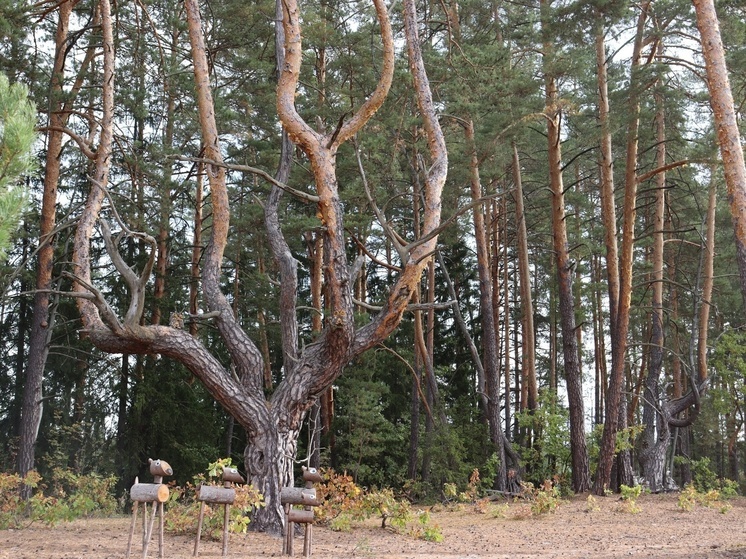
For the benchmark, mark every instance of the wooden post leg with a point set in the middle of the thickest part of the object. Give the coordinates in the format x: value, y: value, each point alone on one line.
x: 291, y: 538
x: 226, y: 522
x: 132, y: 529
x: 307, y: 541
x: 199, y: 528
x: 153, y: 510
x: 160, y: 532
x: 144, y: 523
x: 285, y: 538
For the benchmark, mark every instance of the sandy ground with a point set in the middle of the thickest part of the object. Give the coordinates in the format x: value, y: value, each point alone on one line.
x: 659, y: 530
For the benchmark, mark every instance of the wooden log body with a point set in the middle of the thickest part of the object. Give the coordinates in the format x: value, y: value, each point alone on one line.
x: 216, y: 494
x: 149, y: 492
x: 300, y: 516
x: 299, y: 496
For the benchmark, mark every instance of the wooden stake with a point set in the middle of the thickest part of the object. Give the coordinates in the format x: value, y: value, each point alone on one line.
x: 153, y: 510
x: 132, y: 530
x: 199, y: 528
x: 160, y: 534
x: 226, y: 519
x: 307, y: 541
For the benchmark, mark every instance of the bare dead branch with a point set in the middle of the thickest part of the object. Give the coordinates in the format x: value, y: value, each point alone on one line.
x: 108, y: 316
x: 390, y: 233
x: 415, y: 378
x: 370, y: 255
x: 447, y: 222
x: 651, y: 174
x: 256, y: 171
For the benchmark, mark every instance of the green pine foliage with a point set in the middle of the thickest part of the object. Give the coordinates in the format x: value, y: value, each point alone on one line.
x: 17, y: 136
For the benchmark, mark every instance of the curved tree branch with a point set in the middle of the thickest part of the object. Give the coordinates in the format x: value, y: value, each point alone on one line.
x: 374, y: 102
x: 244, y: 352
x: 405, y: 286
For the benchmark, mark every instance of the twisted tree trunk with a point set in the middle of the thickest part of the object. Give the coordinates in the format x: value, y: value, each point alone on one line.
x: 272, y: 422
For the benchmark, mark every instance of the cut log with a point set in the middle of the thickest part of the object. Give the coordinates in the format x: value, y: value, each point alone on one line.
x: 300, y: 516
x: 299, y: 496
x: 149, y: 492
x: 216, y: 494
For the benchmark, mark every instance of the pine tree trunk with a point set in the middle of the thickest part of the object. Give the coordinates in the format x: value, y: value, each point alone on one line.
x: 729, y: 139
x: 22, y: 327
x: 653, y: 453
x: 620, y: 326
x: 490, y: 358
x: 528, y: 362
x: 606, y: 164
x: 41, y: 324
x: 196, y: 250
x: 579, y: 452
x: 268, y: 459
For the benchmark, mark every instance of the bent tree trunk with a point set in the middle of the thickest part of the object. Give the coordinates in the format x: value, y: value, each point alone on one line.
x: 272, y: 422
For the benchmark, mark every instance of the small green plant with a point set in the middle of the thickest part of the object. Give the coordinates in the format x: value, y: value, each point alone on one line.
x: 183, y: 514
x: 450, y: 491
x: 85, y: 495
x: 426, y: 530
x: 591, y: 504
x: 500, y: 511
x: 387, y: 507
x: 545, y: 498
x: 703, y: 477
x: 728, y: 489
x: 482, y: 506
x: 629, y: 498
x: 690, y: 497
x: 687, y: 498
x: 71, y: 496
x: 343, y: 502
x: 339, y: 496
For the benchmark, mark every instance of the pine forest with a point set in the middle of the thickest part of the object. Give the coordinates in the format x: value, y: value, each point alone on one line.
x: 412, y: 241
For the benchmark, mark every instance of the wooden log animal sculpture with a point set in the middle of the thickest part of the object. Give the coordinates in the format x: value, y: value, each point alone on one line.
x: 225, y: 495
x: 306, y: 497
x: 156, y: 493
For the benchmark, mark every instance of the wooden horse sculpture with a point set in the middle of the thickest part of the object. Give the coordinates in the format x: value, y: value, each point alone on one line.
x: 222, y: 495
x: 156, y: 493
x: 306, y: 497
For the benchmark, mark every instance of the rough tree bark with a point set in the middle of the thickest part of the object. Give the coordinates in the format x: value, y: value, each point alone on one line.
x: 653, y: 452
x: 528, y: 363
x: 491, y: 358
